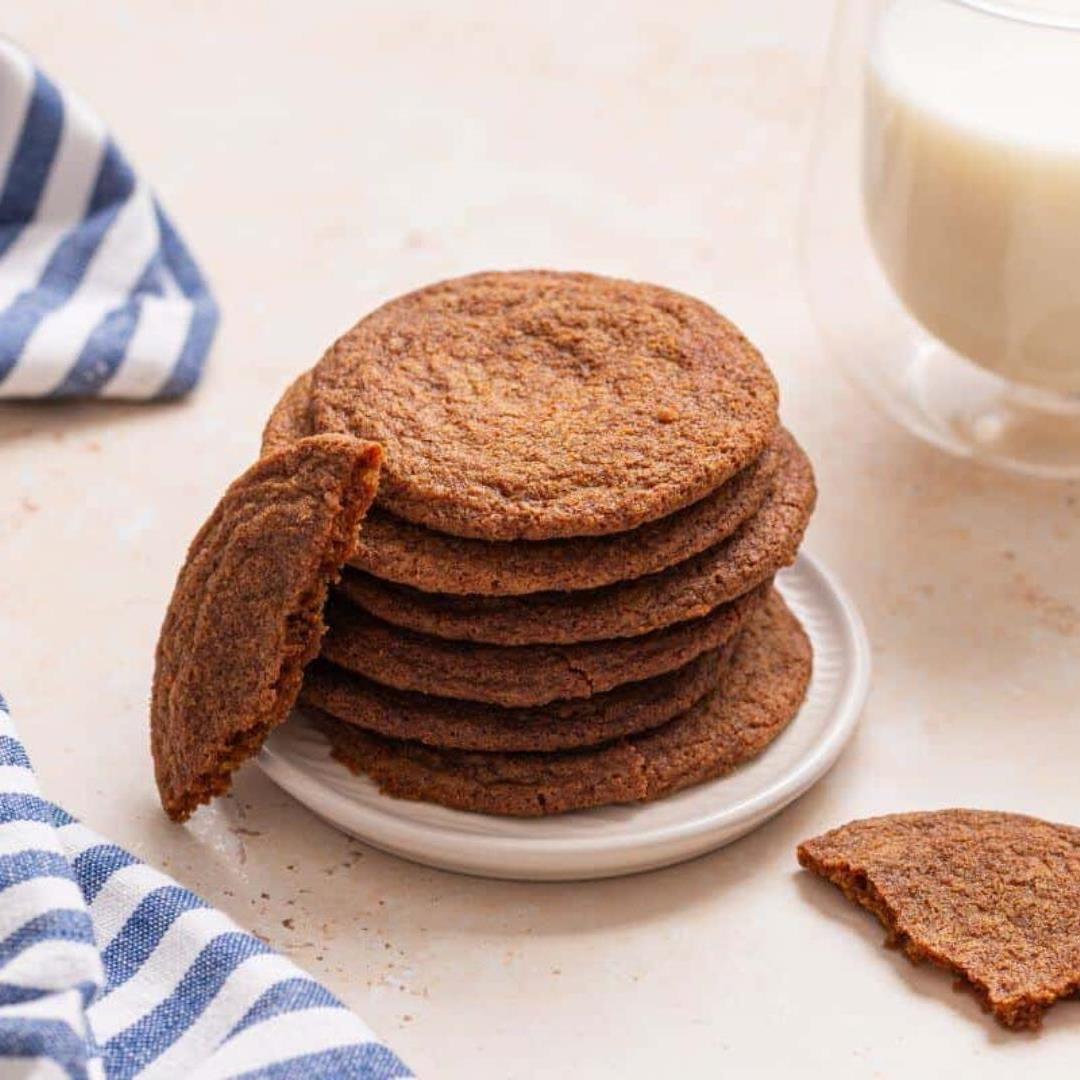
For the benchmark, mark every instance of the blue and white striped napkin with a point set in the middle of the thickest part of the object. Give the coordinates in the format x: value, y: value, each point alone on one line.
x: 110, y: 969
x: 99, y: 297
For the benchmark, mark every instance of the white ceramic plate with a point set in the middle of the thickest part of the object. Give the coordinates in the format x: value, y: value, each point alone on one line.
x: 617, y: 839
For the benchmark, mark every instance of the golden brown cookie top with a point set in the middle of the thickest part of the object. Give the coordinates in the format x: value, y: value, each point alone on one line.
x: 536, y: 404
x: 246, y: 613
x: 992, y: 897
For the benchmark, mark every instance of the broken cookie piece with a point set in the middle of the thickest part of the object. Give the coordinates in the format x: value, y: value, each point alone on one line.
x: 246, y: 613
x: 992, y: 897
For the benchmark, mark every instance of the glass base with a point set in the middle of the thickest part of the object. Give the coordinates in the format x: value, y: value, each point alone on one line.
x: 976, y: 414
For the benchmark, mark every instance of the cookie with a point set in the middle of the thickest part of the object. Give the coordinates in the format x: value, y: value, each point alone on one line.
x: 993, y: 898
x: 246, y: 614
x: 413, y: 555
x: 470, y: 725
x: 761, y: 547
x: 764, y: 687
x: 535, y: 404
x: 398, y: 551
x: 517, y: 676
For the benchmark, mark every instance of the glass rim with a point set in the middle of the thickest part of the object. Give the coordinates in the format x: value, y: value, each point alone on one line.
x: 1024, y: 12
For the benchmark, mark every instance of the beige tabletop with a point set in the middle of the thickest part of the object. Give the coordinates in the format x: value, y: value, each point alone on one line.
x: 323, y: 156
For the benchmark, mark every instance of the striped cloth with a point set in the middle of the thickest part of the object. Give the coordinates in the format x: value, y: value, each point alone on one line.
x: 108, y: 968
x: 98, y: 294
x: 111, y: 969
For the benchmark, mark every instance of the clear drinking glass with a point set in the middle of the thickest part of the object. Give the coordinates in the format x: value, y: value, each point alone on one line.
x: 941, y: 229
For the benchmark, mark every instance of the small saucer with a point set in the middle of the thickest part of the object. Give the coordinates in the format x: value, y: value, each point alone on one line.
x: 610, y: 840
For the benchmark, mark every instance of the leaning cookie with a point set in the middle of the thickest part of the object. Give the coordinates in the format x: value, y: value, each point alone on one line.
x: 246, y: 613
x: 763, y: 690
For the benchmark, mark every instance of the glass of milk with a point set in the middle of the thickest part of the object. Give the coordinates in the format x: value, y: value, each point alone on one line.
x: 941, y: 232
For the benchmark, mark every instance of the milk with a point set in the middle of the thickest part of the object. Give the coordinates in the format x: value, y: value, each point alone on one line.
x: 972, y: 181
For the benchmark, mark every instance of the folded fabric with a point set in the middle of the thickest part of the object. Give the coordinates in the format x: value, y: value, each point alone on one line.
x: 110, y: 969
x: 99, y: 297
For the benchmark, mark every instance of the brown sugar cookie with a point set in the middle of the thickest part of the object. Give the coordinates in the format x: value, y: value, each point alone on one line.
x: 398, y: 551
x: 516, y: 676
x: 761, y: 547
x: 246, y: 614
x: 535, y: 404
x: 764, y: 687
x: 993, y: 898
x: 413, y: 555
x: 470, y: 725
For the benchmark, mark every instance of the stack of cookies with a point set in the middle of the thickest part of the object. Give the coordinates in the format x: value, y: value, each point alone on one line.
x: 562, y: 596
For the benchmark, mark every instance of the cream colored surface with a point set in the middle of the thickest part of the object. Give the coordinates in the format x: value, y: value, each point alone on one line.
x: 321, y: 157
